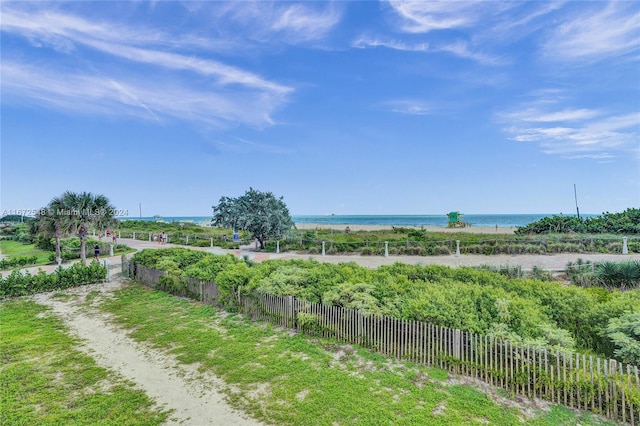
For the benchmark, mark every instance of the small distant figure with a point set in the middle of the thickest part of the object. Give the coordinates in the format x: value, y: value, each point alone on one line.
x: 163, y: 238
x: 96, y: 253
x: 155, y: 237
x: 114, y: 238
x: 347, y: 230
x: 108, y: 233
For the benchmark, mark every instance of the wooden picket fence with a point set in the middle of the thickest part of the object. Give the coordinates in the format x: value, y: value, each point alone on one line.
x: 574, y: 380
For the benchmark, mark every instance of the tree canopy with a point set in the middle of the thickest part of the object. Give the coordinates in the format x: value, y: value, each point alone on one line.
x: 260, y: 213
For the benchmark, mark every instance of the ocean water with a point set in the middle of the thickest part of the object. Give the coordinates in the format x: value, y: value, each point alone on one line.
x: 500, y: 220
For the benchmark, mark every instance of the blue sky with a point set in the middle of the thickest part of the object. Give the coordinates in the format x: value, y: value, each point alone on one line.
x: 339, y: 107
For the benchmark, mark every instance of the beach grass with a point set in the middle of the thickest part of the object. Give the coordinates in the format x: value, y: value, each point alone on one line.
x: 285, y: 378
x: 46, y: 380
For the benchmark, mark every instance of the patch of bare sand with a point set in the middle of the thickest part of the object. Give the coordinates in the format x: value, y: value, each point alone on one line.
x: 195, y: 398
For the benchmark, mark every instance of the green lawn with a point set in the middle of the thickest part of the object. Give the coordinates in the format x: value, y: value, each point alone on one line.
x: 14, y: 249
x: 290, y: 379
x: 45, y: 380
x: 17, y: 249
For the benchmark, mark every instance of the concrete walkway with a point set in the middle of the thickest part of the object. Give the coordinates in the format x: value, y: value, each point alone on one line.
x: 552, y: 262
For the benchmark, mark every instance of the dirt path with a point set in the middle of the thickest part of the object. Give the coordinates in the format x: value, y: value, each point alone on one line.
x: 195, y: 397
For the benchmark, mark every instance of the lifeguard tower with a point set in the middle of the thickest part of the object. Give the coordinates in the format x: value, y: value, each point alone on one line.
x: 455, y: 220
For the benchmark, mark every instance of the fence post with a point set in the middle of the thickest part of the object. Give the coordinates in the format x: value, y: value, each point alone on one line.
x: 105, y: 262
x: 323, y: 248
x: 625, y: 249
x: 211, y: 242
x: 278, y: 247
x: 386, y: 249
x: 290, y: 311
x: 149, y: 236
x: 457, y: 248
x: 110, y: 249
x: 187, y: 241
x: 134, y: 235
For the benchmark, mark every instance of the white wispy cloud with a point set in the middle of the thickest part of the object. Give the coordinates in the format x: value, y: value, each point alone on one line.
x: 225, y: 94
x: 69, y: 31
x: 573, y: 132
x: 596, y: 33
x: 426, y: 16
x: 44, y: 27
x: 292, y: 23
x: 151, y: 99
x: 410, y: 107
x: 301, y: 22
x: 364, y: 42
x: 462, y: 49
x: 536, y: 115
x: 225, y: 73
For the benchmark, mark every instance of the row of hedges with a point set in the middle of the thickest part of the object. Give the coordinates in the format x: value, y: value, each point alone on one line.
x: 626, y: 222
x: 541, y: 313
x: 20, y: 261
x: 23, y: 284
x: 515, y: 245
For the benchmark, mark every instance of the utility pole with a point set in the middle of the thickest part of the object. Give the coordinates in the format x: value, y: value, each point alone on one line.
x: 575, y: 194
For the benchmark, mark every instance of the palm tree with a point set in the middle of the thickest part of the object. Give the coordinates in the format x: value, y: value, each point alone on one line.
x: 74, y: 213
x: 52, y: 221
x: 87, y: 209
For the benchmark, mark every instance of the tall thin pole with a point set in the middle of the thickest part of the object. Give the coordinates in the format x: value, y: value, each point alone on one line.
x: 575, y: 194
x: 140, y: 206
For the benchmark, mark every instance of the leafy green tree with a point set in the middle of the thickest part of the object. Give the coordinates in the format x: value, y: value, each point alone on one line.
x: 260, y: 213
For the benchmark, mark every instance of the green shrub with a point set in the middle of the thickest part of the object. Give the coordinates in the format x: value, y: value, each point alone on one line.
x: 496, y: 301
x: 18, y: 262
x: 370, y: 251
x: 22, y: 284
x: 233, y: 277
x: 625, y: 334
x: 626, y: 222
x: 441, y: 251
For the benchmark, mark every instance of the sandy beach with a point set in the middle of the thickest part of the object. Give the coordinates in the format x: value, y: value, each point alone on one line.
x: 471, y: 229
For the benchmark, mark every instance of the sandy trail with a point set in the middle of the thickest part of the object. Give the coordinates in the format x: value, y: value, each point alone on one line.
x: 195, y: 397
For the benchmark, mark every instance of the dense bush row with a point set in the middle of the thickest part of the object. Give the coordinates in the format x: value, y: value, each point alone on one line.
x: 22, y: 284
x: 420, y: 242
x: 627, y: 222
x: 523, y: 310
x: 20, y: 261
